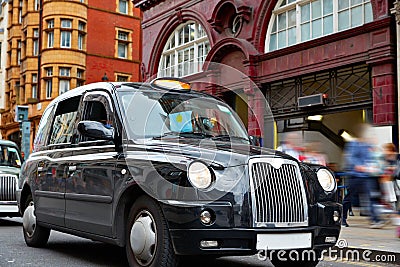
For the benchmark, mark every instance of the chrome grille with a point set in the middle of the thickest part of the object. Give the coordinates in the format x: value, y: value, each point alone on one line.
x: 278, y: 193
x: 8, y: 185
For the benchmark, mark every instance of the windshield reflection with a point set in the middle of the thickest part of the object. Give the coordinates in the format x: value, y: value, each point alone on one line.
x: 9, y: 157
x: 155, y: 115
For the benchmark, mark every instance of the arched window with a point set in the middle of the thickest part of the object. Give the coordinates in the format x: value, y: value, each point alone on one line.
x: 185, y: 51
x: 296, y: 21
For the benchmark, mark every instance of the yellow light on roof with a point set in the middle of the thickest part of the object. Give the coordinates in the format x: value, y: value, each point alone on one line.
x: 170, y: 84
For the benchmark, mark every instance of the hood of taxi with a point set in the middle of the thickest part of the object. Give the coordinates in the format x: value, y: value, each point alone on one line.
x: 224, y: 154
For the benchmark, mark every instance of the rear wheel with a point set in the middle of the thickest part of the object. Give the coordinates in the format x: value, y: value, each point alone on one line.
x: 147, y: 236
x: 34, y: 234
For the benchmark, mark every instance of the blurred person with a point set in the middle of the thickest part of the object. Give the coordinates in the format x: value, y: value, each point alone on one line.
x: 363, y: 167
x: 292, y: 145
x: 313, y: 154
x: 386, y: 180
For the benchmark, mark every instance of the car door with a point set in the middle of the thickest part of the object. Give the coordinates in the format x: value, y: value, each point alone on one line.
x: 53, y: 162
x: 90, y: 184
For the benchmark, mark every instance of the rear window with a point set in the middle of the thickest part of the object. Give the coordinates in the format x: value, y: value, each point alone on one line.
x: 64, y: 121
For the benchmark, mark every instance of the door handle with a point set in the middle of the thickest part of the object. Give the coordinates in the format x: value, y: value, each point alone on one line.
x: 71, y: 168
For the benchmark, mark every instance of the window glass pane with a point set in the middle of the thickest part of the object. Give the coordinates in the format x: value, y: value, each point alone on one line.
x: 43, y: 129
x: 66, y: 23
x: 292, y: 18
x: 50, y: 39
x: 368, y: 13
x: 316, y: 9
x: 121, y: 50
x: 63, y: 128
x: 292, y: 36
x: 343, y: 22
x: 63, y: 86
x: 356, y: 2
x: 356, y: 16
x: 123, y: 6
x: 343, y: 4
x: 281, y: 39
x: 65, y: 39
x: 328, y: 25
x: 284, y: 3
x: 305, y: 32
x: 282, y: 21
x: 305, y: 13
x: 328, y: 7
x: 316, y: 28
x: 274, y: 28
x: 272, y: 42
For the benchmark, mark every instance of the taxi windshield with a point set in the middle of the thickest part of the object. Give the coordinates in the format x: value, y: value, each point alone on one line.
x: 153, y: 114
x: 9, y: 156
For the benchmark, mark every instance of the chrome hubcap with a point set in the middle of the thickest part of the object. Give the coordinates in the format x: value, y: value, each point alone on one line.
x: 29, y: 220
x: 143, y: 238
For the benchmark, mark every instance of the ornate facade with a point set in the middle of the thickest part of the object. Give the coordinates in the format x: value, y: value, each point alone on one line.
x: 290, y: 48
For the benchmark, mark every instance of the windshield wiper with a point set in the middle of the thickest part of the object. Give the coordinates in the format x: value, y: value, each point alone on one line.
x: 167, y: 134
x: 196, y: 135
x: 224, y: 137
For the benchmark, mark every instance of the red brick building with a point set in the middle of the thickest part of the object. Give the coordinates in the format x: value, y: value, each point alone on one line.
x: 342, y: 50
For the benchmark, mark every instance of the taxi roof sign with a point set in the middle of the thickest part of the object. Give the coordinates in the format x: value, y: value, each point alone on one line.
x: 170, y: 83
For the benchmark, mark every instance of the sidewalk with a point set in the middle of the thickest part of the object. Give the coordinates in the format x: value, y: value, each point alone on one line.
x: 360, y: 236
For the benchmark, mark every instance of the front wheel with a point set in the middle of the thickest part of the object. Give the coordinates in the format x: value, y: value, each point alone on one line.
x: 34, y: 234
x: 147, y: 237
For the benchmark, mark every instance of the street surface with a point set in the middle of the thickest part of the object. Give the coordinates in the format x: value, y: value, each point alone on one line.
x: 67, y: 250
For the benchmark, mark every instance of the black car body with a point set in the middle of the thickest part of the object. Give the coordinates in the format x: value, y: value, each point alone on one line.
x: 10, y: 166
x: 99, y: 171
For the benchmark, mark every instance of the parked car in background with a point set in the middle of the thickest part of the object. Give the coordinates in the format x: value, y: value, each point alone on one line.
x: 168, y: 172
x: 10, y: 166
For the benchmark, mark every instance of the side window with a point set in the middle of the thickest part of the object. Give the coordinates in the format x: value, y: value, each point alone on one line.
x: 97, y: 107
x: 43, y: 129
x: 64, y: 121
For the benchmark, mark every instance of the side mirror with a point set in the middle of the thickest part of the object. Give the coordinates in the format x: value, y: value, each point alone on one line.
x: 96, y: 130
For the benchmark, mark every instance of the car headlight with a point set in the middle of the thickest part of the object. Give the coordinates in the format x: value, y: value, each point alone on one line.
x: 326, y: 179
x: 200, y: 175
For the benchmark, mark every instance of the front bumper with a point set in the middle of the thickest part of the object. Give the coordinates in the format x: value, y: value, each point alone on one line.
x: 9, y: 209
x: 235, y: 233
x: 241, y: 241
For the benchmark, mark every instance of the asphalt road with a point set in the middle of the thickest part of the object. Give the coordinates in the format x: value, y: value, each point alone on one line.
x: 70, y: 251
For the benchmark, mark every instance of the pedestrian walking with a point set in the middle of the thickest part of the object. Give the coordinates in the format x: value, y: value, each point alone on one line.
x: 387, y: 179
x: 292, y: 145
x: 363, y: 168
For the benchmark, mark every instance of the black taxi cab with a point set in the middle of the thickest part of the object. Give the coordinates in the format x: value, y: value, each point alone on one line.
x: 10, y: 166
x: 167, y: 173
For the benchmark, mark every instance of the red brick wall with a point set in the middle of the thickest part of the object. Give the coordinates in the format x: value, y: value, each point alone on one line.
x: 101, y: 41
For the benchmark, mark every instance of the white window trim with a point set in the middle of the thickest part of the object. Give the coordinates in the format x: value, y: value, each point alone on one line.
x: 168, y: 51
x: 298, y: 3
x: 61, y: 39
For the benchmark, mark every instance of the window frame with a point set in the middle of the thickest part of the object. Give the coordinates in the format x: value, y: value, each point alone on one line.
x: 196, y: 50
x: 126, y: 3
x: 105, y: 99
x: 65, y: 104
x: 315, y: 17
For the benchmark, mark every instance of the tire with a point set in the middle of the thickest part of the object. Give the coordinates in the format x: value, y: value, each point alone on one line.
x: 148, y: 242
x: 34, y: 234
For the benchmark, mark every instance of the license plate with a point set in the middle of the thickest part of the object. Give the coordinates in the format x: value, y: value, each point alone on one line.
x: 284, y: 241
